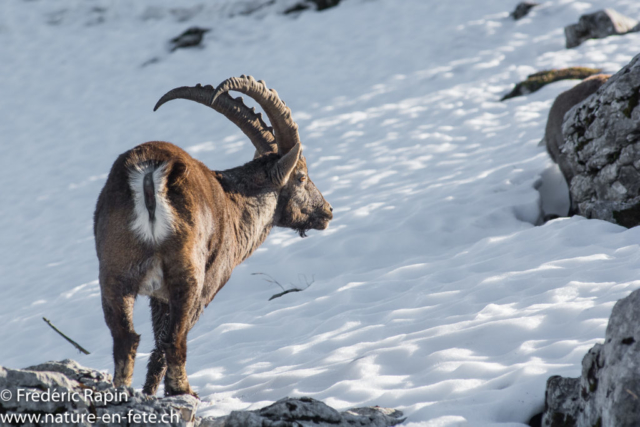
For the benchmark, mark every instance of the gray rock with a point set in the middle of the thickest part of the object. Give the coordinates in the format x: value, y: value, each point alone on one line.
x: 553, y: 137
x: 325, y: 4
x: 67, y: 394
x: 305, y: 411
x: 607, y: 393
x: 600, y: 150
x: 598, y: 25
x: 307, y: 4
x: 188, y: 39
x: 523, y: 9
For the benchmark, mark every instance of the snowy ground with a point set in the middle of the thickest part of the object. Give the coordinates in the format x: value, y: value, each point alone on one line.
x: 434, y: 292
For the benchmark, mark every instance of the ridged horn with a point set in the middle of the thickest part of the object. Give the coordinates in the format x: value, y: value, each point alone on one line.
x: 249, y: 122
x: 286, y: 130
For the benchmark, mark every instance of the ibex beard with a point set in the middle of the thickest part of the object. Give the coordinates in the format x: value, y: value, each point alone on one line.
x: 168, y: 227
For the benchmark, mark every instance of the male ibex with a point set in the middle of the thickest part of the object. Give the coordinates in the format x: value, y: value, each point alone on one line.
x: 168, y: 227
x: 553, y: 138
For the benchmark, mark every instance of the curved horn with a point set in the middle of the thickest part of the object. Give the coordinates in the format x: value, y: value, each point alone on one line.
x: 245, y: 118
x: 286, y: 130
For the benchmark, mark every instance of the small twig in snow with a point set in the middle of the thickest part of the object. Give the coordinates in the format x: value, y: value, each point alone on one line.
x: 270, y: 279
x: 75, y: 344
x: 285, y: 292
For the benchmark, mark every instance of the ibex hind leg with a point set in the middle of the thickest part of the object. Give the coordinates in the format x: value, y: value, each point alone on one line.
x: 157, y: 366
x: 118, y: 313
x: 184, y: 291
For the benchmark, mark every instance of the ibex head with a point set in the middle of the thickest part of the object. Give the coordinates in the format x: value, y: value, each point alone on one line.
x: 301, y: 206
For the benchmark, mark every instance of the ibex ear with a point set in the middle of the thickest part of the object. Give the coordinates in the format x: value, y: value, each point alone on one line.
x: 282, y: 170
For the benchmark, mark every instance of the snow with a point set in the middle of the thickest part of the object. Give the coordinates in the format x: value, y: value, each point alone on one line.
x: 434, y: 292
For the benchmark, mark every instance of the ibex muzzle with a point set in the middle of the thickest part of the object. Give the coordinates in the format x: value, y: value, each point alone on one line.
x: 168, y: 227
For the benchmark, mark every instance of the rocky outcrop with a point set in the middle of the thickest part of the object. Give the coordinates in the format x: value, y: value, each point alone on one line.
x: 553, y: 137
x: 608, y: 392
x: 67, y: 394
x: 602, y: 150
x: 598, y: 25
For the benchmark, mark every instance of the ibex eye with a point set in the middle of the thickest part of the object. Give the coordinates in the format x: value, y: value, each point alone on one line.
x: 302, y: 178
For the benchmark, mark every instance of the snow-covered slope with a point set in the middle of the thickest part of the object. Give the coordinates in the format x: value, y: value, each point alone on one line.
x: 434, y: 292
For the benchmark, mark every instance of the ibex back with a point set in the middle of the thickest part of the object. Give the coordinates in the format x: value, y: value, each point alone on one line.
x: 168, y: 227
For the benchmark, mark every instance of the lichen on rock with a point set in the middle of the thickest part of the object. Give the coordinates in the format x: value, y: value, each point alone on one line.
x: 537, y: 81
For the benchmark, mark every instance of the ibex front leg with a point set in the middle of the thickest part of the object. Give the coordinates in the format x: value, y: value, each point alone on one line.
x: 184, y: 292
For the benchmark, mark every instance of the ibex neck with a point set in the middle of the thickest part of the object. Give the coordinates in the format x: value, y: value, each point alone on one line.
x: 253, y: 217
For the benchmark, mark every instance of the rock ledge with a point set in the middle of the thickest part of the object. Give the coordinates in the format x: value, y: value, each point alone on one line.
x: 607, y: 393
x: 66, y: 394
